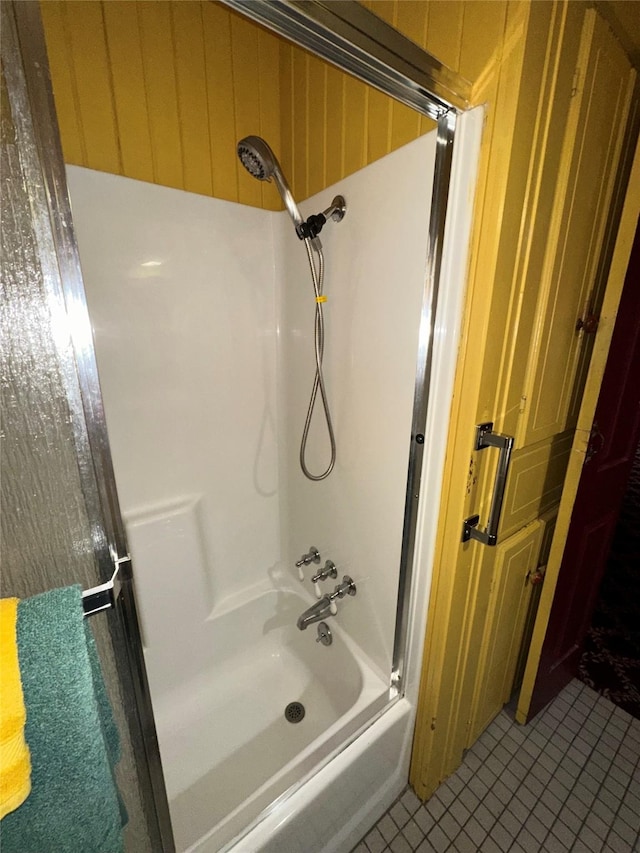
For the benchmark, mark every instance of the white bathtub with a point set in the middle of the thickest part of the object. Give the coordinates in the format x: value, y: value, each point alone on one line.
x: 227, y: 750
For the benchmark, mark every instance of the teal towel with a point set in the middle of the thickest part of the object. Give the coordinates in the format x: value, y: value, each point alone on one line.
x: 74, y: 806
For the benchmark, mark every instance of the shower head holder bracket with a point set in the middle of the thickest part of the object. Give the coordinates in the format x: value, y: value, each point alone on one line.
x: 313, y: 225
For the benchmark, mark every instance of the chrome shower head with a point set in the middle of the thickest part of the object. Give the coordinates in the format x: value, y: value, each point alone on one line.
x: 257, y: 157
x: 261, y: 163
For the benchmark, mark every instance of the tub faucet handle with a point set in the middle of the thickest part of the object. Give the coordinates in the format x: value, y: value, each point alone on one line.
x: 347, y: 587
x: 329, y: 571
x: 312, y: 557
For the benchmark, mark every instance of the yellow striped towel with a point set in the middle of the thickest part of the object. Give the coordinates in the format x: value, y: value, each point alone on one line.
x: 15, y: 760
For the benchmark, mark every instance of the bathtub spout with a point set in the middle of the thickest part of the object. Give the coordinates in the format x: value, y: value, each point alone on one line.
x: 317, y: 612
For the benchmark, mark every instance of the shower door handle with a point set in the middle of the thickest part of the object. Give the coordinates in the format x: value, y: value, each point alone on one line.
x: 485, y: 437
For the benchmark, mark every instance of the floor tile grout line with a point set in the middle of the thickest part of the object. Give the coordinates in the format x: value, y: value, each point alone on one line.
x: 521, y: 782
x: 583, y: 821
x: 581, y: 704
x: 628, y: 785
x: 577, y: 698
x: 547, y: 741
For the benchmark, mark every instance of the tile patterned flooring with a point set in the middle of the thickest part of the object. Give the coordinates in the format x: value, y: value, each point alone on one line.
x: 569, y: 781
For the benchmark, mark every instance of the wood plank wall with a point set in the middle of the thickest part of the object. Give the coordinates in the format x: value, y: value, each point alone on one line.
x: 334, y: 125
x: 161, y: 90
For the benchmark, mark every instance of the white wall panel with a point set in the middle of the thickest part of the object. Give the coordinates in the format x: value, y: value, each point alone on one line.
x: 188, y: 296
x: 180, y: 291
x: 375, y: 276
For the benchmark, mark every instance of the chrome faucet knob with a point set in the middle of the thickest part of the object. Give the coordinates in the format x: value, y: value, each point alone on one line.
x: 312, y: 557
x: 329, y: 571
x: 324, y: 634
x: 347, y: 587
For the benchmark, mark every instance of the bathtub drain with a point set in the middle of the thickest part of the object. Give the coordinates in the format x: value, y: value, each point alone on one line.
x: 294, y: 712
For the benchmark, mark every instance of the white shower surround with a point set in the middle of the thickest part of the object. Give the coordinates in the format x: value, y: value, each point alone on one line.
x: 375, y: 271
x: 159, y: 266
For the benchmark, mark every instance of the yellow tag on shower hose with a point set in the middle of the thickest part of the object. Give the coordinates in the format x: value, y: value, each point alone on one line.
x: 321, y: 298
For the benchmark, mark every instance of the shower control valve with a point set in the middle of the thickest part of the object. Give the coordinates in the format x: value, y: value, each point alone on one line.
x: 324, y: 634
x: 312, y: 557
x: 347, y: 587
x: 329, y: 571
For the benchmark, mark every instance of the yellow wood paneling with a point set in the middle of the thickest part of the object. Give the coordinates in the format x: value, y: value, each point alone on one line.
x: 411, y: 20
x: 221, y: 108
x: 548, y: 522
x: 405, y: 125
x: 302, y: 152
x: 388, y: 125
x: 318, y: 129
x: 527, y: 83
x: 129, y: 94
x: 535, y: 482
x: 512, y: 560
x: 161, y: 90
x: 335, y: 137
x: 354, y: 122
x: 455, y: 624
x: 286, y: 117
x: 509, y: 247
x: 385, y: 9
x: 88, y: 49
x: 477, y: 54
x: 444, y: 31
x: 378, y: 125
x: 156, y: 38
x: 532, y: 245
x: 270, y: 123
x: 246, y: 98
x: 190, y: 65
x: 67, y: 108
x: 592, y: 147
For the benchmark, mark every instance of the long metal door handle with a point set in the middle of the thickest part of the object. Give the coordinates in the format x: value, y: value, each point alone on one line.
x: 485, y: 437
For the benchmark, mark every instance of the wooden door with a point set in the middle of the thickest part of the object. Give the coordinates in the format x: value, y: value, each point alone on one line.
x: 521, y: 359
x: 510, y: 593
x: 614, y: 438
x: 560, y: 349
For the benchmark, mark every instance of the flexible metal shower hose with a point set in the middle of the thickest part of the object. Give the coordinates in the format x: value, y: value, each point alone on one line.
x: 317, y: 277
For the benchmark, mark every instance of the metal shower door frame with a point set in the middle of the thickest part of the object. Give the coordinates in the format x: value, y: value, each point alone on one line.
x: 355, y: 40
x: 31, y: 97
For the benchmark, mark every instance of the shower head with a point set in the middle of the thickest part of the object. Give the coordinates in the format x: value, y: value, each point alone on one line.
x: 257, y: 157
x: 260, y: 161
